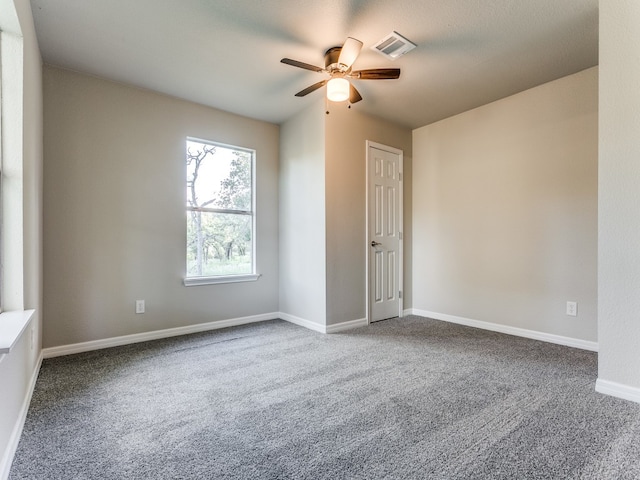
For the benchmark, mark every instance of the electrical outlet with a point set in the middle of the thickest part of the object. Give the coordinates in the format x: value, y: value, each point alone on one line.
x: 139, y: 306
x: 572, y: 309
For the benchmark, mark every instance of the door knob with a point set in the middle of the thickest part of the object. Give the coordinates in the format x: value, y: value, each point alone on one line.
x: 374, y: 243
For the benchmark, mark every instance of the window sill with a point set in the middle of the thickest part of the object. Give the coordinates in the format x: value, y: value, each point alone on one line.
x: 196, y: 281
x: 12, y: 325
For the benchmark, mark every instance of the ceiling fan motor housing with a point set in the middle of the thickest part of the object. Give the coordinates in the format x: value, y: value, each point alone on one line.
x: 331, y: 57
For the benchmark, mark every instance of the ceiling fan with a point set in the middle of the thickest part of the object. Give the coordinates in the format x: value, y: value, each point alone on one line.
x: 338, y: 63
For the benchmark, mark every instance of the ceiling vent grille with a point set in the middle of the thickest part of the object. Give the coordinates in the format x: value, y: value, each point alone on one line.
x: 393, y: 46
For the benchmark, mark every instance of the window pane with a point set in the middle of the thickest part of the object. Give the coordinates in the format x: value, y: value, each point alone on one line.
x: 218, y: 244
x: 218, y: 177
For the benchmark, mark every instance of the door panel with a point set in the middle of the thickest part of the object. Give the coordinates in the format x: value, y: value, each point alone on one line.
x: 378, y: 277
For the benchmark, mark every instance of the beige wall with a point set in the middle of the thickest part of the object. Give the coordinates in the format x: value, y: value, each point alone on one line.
x: 505, y: 210
x: 18, y: 368
x: 302, y: 216
x: 114, y: 219
x: 347, y: 131
x: 619, y: 196
x: 323, y: 211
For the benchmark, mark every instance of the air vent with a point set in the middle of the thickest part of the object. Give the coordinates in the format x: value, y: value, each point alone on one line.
x: 393, y: 46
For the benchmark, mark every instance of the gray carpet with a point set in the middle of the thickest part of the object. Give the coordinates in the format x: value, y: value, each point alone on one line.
x: 407, y: 398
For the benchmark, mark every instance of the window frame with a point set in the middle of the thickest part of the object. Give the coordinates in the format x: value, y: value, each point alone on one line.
x: 190, y: 281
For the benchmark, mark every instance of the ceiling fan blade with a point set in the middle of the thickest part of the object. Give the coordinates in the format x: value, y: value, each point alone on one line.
x: 376, y: 74
x: 354, y: 95
x: 306, y: 66
x: 350, y: 51
x: 312, y: 88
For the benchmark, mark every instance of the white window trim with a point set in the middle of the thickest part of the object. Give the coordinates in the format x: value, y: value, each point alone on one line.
x: 197, y: 281
x: 249, y: 277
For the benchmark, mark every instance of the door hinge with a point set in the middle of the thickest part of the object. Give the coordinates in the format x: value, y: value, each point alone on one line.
x: 400, y: 176
x: 400, y: 294
x: 400, y: 235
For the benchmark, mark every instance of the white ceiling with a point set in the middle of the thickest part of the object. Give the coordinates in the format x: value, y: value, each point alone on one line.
x: 226, y: 53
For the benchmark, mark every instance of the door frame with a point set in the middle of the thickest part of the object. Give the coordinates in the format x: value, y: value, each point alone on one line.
x: 400, y: 153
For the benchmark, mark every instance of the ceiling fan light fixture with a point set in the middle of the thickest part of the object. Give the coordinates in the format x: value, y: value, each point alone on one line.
x: 338, y: 89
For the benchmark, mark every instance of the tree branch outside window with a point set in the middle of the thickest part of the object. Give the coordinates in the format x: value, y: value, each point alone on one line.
x: 219, y: 209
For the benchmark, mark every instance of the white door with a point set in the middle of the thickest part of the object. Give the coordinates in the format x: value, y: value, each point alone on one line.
x: 384, y: 165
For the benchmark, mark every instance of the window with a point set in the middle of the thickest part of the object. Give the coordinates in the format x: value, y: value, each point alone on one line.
x: 220, y: 213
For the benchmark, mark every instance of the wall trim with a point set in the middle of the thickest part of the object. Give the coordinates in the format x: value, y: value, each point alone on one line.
x: 302, y: 322
x: 341, y: 327
x: 16, y: 433
x: 618, y: 390
x: 52, y: 352
x: 334, y: 328
x: 153, y: 335
x: 516, y: 331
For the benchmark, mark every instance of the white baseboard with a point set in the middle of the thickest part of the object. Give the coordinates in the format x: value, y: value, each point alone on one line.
x: 335, y: 328
x: 341, y: 327
x: 302, y: 322
x: 618, y: 390
x: 200, y: 327
x: 153, y: 335
x: 14, y: 439
x: 518, y: 332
